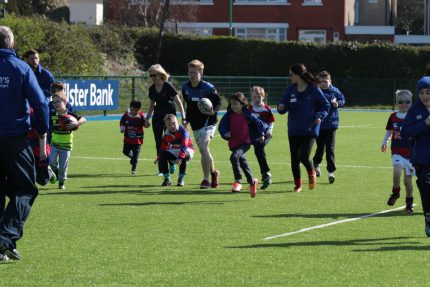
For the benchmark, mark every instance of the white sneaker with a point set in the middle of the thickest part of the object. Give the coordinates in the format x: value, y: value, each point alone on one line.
x: 317, y: 171
x: 331, y: 177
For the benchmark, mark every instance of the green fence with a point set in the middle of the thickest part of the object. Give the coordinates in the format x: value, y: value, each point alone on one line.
x: 358, y: 92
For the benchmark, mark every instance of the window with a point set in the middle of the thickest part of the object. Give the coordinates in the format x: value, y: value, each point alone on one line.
x: 196, y: 31
x: 261, y: 1
x: 373, y: 1
x: 312, y: 36
x: 190, y: 2
x: 312, y: 2
x: 275, y: 34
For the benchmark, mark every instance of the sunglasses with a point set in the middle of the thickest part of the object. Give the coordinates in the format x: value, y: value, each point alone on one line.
x: 403, y: 102
x: 153, y: 75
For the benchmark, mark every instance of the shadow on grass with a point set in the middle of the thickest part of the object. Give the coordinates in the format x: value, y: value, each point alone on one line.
x: 336, y: 215
x: 96, y: 175
x: 387, y: 244
x: 164, y: 203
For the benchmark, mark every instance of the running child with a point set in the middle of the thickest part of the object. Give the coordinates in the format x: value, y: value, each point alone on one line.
x: 262, y: 111
x: 132, y: 126
x: 177, y: 148
x: 61, y: 138
x: 241, y: 129
x: 400, y: 150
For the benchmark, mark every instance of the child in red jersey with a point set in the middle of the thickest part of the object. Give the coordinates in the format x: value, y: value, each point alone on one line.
x: 262, y: 111
x: 132, y: 125
x: 176, y: 148
x: 41, y: 150
x: 400, y: 150
x: 241, y: 129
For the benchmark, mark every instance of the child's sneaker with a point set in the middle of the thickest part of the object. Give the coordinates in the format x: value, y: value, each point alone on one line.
x: 214, y: 178
x: 409, y: 208
x: 205, y: 184
x: 312, y: 181
x: 181, y: 182
x: 237, y: 187
x: 267, y: 180
x: 317, y: 171
x: 427, y: 229
x: 331, y: 177
x: 393, y: 198
x: 297, y: 189
x: 61, y: 185
x: 253, y: 188
x: 166, y: 182
x: 53, y: 178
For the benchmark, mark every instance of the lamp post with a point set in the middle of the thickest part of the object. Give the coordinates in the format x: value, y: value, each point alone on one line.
x: 231, y: 17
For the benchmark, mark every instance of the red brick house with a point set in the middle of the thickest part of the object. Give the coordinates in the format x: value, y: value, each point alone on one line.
x: 281, y: 20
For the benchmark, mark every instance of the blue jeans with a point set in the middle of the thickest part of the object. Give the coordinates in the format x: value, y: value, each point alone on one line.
x: 18, y: 182
x: 62, y: 164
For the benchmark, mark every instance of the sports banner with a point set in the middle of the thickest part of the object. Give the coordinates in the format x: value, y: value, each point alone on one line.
x: 92, y: 94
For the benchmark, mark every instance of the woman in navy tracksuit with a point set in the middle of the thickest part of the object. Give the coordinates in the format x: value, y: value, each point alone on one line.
x: 306, y: 107
x: 417, y: 126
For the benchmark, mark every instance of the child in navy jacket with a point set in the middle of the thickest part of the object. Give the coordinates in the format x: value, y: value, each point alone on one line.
x: 417, y: 127
x: 241, y: 129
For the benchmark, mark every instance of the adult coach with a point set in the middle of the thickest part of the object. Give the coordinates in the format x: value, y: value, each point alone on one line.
x: 43, y: 76
x: 18, y: 91
x: 307, y: 107
x: 202, y: 124
x: 162, y: 99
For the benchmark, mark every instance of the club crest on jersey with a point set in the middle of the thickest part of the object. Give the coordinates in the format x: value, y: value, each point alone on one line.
x: 419, y: 117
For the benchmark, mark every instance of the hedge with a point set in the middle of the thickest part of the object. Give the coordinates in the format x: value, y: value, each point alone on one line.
x: 233, y: 56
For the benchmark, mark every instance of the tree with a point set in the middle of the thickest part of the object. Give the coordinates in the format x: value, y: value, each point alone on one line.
x: 148, y: 13
x: 410, y: 17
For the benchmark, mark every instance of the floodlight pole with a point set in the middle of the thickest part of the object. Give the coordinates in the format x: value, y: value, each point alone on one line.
x: 231, y: 17
x: 163, y: 19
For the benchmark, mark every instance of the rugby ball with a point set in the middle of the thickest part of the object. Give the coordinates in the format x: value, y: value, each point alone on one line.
x: 204, y: 105
x: 65, y: 119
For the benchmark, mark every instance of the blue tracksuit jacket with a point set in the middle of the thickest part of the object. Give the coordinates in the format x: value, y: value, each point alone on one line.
x: 303, y: 109
x: 18, y: 91
x: 331, y: 121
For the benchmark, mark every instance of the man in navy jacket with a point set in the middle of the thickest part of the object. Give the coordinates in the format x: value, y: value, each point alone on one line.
x: 18, y: 91
x: 43, y: 76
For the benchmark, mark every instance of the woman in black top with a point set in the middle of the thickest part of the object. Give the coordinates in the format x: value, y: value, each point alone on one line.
x: 163, y: 99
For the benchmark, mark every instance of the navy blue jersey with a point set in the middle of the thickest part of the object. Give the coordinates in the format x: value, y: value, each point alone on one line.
x: 192, y: 96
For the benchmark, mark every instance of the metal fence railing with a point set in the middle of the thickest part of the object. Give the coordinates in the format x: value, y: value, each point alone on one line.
x: 358, y: 92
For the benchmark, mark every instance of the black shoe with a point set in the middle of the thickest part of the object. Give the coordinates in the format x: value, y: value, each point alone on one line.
x: 166, y: 182
x: 267, y: 180
x: 392, y: 199
x: 10, y: 254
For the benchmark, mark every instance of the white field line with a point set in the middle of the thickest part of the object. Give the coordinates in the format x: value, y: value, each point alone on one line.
x: 225, y: 161
x: 334, y: 223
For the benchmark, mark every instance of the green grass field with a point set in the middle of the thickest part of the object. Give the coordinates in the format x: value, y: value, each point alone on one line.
x: 109, y: 228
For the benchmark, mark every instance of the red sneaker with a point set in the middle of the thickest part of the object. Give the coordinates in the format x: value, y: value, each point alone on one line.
x: 237, y: 187
x: 205, y: 184
x: 214, y: 178
x: 253, y: 188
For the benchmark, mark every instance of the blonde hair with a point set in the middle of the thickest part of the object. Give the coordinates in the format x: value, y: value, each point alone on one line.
x: 197, y: 64
x: 258, y: 90
x: 407, y: 93
x: 159, y: 70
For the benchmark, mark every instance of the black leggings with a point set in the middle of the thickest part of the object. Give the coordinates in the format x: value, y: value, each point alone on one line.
x: 300, y: 150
